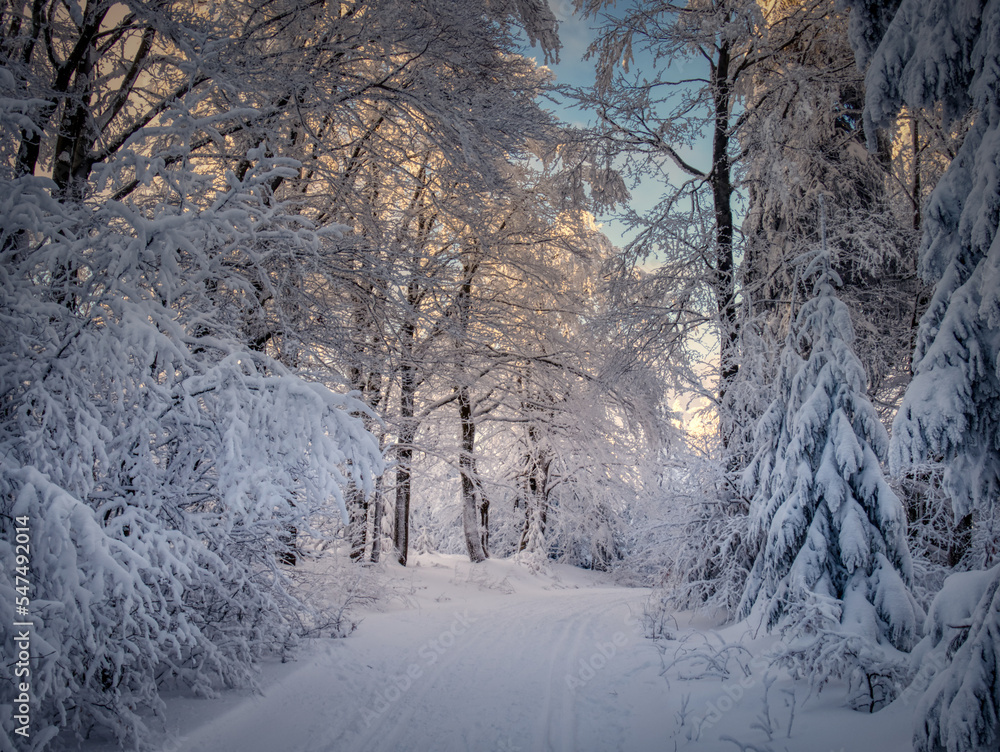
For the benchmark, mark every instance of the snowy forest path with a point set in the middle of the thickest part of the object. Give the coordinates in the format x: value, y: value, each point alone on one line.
x: 484, y: 664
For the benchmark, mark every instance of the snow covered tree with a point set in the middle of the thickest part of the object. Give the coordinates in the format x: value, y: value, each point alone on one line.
x: 649, y: 116
x: 944, y: 56
x: 804, y: 143
x: 159, y: 462
x: 831, y: 534
x: 412, y: 167
x: 163, y: 238
x: 678, y: 100
x: 542, y: 391
x: 961, y: 634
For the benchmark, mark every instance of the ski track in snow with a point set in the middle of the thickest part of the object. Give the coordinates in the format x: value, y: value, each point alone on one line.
x: 531, y: 683
x: 501, y: 684
x: 506, y: 678
x: 493, y: 658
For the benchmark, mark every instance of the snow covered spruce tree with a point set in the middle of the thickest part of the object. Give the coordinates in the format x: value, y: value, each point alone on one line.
x: 832, y: 566
x: 944, y: 56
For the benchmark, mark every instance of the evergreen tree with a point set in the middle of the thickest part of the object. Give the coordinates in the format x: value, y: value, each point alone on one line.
x: 946, y: 56
x: 828, y: 527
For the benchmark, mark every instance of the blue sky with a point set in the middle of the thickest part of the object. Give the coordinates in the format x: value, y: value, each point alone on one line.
x: 576, y: 34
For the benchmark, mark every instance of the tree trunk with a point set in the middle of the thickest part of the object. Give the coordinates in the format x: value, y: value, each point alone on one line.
x: 358, y: 529
x: 376, y: 514
x: 536, y: 495
x: 406, y: 434
x: 475, y: 510
x: 915, y: 138
x: 404, y: 450
x: 364, y: 379
x: 722, y: 197
x: 536, y: 510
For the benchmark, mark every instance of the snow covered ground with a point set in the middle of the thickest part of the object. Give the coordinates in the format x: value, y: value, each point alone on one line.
x: 496, y: 658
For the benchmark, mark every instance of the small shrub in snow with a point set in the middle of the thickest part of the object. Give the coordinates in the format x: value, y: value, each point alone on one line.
x: 818, y: 650
x: 657, y: 619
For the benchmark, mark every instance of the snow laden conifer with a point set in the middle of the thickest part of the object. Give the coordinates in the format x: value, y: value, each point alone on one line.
x: 832, y: 563
x: 944, y: 56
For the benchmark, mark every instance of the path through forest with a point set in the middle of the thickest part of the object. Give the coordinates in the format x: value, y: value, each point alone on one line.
x: 496, y: 658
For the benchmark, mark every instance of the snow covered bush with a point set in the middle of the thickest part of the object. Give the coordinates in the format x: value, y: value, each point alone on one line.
x: 704, y: 545
x: 163, y: 465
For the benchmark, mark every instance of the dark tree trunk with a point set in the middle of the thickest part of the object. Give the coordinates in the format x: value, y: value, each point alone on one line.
x: 404, y: 446
x: 369, y: 383
x: 722, y: 197
x: 288, y: 553
x: 358, y: 529
x: 475, y: 508
x: 401, y: 532
x: 915, y: 137
x: 376, y: 514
